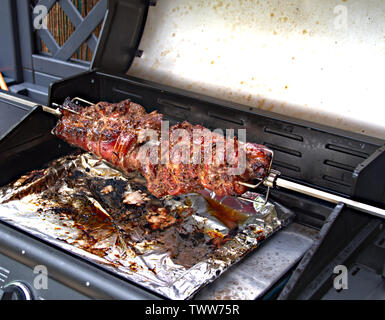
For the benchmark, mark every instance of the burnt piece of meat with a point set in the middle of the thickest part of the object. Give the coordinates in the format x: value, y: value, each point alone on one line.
x: 179, y: 159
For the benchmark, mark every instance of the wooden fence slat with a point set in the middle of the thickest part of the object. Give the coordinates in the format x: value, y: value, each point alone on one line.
x: 84, y: 28
x: 83, y: 31
x: 76, y: 19
x: 49, y: 40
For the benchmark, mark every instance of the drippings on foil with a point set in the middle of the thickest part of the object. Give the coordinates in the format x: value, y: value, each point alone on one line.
x: 173, y: 246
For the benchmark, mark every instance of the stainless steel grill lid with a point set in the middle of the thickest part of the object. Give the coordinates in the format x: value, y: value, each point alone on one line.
x: 320, y: 61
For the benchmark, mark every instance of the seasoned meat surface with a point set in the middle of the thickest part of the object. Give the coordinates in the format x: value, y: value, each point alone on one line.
x: 180, y: 159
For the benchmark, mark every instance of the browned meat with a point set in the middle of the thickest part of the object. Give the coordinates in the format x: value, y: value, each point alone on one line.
x: 128, y: 137
x: 160, y: 219
x: 137, y: 198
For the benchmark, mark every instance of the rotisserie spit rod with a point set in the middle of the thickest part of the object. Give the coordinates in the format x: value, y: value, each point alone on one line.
x: 271, y: 181
x: 274, y: 181
x: 258, y: 158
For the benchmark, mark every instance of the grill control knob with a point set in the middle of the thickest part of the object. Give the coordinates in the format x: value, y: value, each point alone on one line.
x: 17, y: 290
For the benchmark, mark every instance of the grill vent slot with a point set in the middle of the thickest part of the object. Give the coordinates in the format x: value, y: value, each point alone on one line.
x: 128, y: 95
x: 287, y: 166
x: 283, y: 149
x: 169, y: 103
x: 346, y: 150
x: 336, y: 180
x: 238, y: 122
x: 339, y: 165
x: 284, y: 134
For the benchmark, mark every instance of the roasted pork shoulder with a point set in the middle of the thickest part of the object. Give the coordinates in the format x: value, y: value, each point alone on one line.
x: 174, y: 159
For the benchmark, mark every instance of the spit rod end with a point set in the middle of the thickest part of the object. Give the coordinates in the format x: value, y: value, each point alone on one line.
x: 55, y: 112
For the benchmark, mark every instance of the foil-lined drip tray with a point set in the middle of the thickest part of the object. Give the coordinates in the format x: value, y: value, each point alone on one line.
x: 173, y: 246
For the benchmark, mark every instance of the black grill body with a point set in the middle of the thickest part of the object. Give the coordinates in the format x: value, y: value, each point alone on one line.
x: 326, y: 158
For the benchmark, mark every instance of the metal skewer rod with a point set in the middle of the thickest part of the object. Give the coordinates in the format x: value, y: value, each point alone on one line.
x: 274, y: 181
x: 31, y: 104
x: 67, y: 109
x: 82, y: 100
x: 252, y: 186
x: 55, y: 112
x: 378, y: 212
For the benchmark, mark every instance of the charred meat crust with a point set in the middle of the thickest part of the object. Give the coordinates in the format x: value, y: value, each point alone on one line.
x: 112, y: 131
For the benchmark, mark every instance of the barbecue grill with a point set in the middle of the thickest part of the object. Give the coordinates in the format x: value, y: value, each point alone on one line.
x: 337, y: 221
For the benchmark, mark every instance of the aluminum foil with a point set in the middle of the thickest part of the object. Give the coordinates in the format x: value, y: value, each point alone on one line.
x: 173, y: 246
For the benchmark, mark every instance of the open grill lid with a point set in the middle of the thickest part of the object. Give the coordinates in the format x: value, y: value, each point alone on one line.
x: 117, y: 48
x: 120, y: 36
